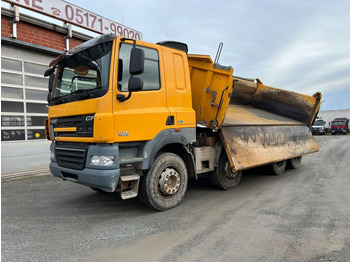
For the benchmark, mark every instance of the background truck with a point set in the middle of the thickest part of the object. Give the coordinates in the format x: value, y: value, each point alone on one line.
x: 140, y: 119
x: 340, y: 125
x: 319, y: 127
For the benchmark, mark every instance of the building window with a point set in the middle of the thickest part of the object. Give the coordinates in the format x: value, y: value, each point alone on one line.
x: 11, y: 78
x: 36, y: 95
x: 23, y: 99
x: 36, y: 134
x: 10, y: 135
x: 11, y: 92
x: 12, y: 121
x: 36, y: 120
x: 11, y: 64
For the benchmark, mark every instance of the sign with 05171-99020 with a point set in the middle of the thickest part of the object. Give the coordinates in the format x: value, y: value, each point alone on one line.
x: 75, y: 15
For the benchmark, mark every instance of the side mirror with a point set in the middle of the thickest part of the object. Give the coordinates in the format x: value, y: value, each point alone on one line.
x: 48, y: 97
x: 135, y: 84
x: 49, y: 72
x: 137, y: 61
x: 51, y: 79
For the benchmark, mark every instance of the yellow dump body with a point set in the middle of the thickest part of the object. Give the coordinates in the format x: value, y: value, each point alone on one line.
x: 258, y: 124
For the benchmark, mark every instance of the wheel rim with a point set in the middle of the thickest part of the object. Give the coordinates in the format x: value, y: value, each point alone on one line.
x: 297, y: 159
x: 169, y: 181
x: 228, y: 172
x: 279, y: 164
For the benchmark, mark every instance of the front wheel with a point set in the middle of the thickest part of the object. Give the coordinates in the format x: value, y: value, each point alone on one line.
x: 165, y: 184
x: 223, y: 177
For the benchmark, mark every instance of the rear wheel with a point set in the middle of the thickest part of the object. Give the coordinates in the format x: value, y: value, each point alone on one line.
x: 277, y: 168
x: 165, y: 184
x: 223, y: 177
x: 294, y: 163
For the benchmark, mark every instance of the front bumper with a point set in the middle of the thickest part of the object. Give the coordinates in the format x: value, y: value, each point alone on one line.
x: 342, y: 131
x: 102, y: 177
x: 106, y: 180
x: 321, y: 132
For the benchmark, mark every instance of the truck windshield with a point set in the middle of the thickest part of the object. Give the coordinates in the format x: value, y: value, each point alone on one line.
x: 83, y: 75
x: 338, y: 123
x: 318, y: 123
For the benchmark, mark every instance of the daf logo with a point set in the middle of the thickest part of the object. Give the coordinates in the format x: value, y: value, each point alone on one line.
x: 123, y: 133
x: 89, y: 118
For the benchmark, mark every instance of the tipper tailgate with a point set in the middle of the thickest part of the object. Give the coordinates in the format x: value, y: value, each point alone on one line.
x: 253, y: 137
x: 265, y: 125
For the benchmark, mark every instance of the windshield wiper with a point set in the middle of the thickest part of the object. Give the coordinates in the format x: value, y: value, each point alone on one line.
x: 79, y: 91
x: 84, y: 94
x: 58, y: 100
x: 84, y: 90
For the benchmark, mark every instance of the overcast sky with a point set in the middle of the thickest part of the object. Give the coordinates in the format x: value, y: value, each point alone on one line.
x: 302, y: 46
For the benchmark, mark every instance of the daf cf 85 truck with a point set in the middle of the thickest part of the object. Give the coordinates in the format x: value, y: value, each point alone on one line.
x: 139, y: 118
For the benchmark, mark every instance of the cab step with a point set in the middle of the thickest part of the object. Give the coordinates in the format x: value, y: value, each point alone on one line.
x: 129, y: 186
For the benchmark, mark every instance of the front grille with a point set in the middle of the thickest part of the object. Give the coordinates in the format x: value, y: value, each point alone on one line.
x: 84, y: 125
x: 71, y: 155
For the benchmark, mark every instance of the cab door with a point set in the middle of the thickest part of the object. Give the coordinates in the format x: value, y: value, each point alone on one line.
x: 145, y: 113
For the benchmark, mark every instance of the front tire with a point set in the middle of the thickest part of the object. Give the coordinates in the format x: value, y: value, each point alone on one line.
x: 223, y: 177
x: 165, y: 184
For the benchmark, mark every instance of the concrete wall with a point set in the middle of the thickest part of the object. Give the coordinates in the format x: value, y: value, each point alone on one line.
x: 20, y: 156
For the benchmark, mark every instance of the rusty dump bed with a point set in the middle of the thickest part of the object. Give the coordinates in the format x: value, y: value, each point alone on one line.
x: 244, y: 115
x: 258, y: 124
x: 264, y: 125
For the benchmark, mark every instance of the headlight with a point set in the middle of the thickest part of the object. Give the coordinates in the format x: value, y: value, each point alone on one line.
x: 52, y: 155
x: 102, y: 160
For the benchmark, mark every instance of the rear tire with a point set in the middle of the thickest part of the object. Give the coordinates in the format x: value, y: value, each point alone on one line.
x: 294, y: 163
x: 223, y: 177
x: 165, y: 184
x: 277, y: 168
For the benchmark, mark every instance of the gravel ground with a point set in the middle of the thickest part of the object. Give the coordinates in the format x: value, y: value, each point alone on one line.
x: 302, y: 215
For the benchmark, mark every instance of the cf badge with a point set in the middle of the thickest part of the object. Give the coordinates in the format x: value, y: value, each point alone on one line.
x: 89, y: 118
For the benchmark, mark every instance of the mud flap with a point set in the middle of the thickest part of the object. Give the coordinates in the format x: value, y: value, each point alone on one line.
x: 252, y: 146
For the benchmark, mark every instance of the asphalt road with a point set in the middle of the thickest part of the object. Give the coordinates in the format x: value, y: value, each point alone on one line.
x: 303, y: 215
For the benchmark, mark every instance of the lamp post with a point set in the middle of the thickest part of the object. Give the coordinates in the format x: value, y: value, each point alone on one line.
x: 322, y: 106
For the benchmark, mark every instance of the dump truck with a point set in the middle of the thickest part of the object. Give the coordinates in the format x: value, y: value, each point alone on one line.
x: 340, y: 125
x: 141, y: 119
x: 319, y: 127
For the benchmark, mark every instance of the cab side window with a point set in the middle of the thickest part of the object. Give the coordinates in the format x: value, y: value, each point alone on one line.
x: 150, y: 76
